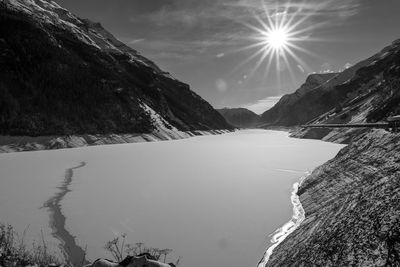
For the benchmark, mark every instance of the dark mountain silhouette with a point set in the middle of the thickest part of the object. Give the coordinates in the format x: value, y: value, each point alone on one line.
x: 63, y: 75
x: 240, y: 117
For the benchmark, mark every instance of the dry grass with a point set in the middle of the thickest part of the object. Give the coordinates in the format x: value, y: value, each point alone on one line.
x: 15, y: 252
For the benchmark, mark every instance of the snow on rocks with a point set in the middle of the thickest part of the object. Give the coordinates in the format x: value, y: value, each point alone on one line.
x: 91, y: 33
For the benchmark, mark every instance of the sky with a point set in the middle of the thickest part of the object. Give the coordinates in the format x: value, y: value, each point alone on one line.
x: 214, y: 45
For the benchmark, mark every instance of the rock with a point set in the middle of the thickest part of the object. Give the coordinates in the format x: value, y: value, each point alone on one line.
x: 366, y: 92
x: 352, y: 209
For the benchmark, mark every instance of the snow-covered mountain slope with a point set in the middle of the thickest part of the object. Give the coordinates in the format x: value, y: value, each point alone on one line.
x: 322, y: 94
x: 62, y: 75
x: 85, y: 30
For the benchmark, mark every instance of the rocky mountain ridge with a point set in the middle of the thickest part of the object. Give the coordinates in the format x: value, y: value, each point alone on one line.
x: 62, y: 75
x: 372, y: 95
x: 351, y: 203
x: 339, y: 98
x: 284, y: 113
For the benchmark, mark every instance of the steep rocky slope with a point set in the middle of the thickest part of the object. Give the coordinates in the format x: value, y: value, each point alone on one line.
x: 339, y: 98
x: 371, y: 95
x: 290, y: 108
x: 240, y: 117
x: 352, y: 203
x: 62, y: 75
x: 352, y: 209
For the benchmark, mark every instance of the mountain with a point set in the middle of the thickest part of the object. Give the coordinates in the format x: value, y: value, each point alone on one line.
x: 290, y: 108
x: 240, y: 117
x: 62, y: 75
x: 350, y: 204
x: 364, y: 92
x: 371, y: 95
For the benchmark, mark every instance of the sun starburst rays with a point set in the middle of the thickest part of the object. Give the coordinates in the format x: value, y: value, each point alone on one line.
x: 277, y: 37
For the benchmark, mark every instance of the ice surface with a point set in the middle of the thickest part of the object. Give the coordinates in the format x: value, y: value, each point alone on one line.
x: 213, y: 199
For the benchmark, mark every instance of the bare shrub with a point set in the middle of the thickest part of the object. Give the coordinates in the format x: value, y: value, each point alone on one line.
x: 119, y: 249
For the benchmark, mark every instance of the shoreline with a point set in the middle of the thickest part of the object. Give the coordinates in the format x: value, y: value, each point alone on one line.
x: 360, y: 182
x: 11, y: 144
x: 289, y: 227
x: 72, y: 252
x: 298, y: 211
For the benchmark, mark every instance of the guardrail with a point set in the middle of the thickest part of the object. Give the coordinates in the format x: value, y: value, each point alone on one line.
x: 352, y: 125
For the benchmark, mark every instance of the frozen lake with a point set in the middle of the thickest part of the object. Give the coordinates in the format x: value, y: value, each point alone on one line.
x: 214, y: 200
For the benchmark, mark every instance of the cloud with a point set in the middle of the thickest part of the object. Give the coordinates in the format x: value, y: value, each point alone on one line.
x: 167, y: 16
x: 325, y: 12
x: 168, y: 55
x: 207, y: 19
x: 280, y: 7
x: 189, y: 14
x: 300, y: 67
x: 200, y: 31
x: 179, y: 49
x: 262, y: 105
x: 135, y: 41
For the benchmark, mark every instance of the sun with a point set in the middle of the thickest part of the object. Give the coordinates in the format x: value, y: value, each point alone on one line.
x: 277, y: 38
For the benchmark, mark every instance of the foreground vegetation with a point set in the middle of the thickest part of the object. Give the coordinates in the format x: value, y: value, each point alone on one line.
x: 119, y: 249
x: 15, y: 252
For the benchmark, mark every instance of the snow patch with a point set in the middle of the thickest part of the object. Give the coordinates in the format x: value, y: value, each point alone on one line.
x: 298, y: 217
x: 163, y: 127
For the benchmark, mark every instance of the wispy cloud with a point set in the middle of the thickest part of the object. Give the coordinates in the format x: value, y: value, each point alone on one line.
x: 185, y: 15
x: 214, y: 22
x: 341, y: 8
x: 179, y: 49
x: 301, y: 68
x: 135, y: 41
